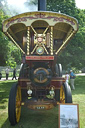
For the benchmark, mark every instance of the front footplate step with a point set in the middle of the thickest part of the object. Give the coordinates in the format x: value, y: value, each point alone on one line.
x: 40, y: 104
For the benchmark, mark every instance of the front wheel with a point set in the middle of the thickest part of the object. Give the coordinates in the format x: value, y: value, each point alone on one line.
x: 14, y: 105
x: 58, y: 70
x: 65, y: 94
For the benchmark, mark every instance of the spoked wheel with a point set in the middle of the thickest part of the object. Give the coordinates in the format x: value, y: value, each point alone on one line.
x: 14, y: 106
x: 65, y: 94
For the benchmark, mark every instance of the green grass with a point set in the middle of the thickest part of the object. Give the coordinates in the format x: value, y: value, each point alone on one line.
x: 79, y: 98
x: 40, y: 119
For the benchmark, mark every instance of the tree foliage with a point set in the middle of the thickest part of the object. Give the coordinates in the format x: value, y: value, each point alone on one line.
x: 64, y: 6
x: 9, y: 54
x: 74, y: 54
x: 14, y: 55
x: 3, y: 42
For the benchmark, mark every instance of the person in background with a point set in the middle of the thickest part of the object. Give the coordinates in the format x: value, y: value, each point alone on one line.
x: 7, y: 73
x: 67, y: 77
x: 14, y: 74
x: 72, y: 78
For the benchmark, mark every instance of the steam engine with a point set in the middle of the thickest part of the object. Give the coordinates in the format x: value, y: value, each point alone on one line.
x: 40, y: 36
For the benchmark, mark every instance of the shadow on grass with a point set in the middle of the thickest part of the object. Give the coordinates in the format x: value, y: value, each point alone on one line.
x: 36, y: 119
x: 39, y: 119
x: 5, y: 87
x: 29, y: 118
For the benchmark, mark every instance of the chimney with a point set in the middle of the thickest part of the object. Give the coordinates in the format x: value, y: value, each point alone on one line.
x: 41, y: 5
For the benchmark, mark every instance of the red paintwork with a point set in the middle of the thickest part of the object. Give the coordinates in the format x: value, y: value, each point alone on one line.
x: 56, y: 82
x: 39, y: 57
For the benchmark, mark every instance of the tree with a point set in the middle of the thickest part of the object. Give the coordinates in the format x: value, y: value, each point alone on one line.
x: 9, y: 54
x: 14, y: 55
x: 64, y: 6
x: 73, y: 55
x: 3, y: 42
x: 4, y: 7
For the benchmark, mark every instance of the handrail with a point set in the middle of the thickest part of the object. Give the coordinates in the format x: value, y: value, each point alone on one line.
x: 64, y: 42
x: 15, y: 43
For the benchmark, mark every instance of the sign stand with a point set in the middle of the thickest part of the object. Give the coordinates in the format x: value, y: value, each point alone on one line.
x: 69, y: 116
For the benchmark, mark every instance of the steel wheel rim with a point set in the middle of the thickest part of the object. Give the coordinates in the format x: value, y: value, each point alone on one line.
x: 62, y: 94
x: 18, y: 104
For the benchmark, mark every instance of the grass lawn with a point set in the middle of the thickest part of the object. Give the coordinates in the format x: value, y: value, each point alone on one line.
x: 40, y: 119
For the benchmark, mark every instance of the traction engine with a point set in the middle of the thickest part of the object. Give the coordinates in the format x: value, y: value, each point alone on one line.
x: 40, y: 36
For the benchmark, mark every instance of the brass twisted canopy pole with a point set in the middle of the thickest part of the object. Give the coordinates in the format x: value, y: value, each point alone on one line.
x: 51, y: 41
x: 28, y: 41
